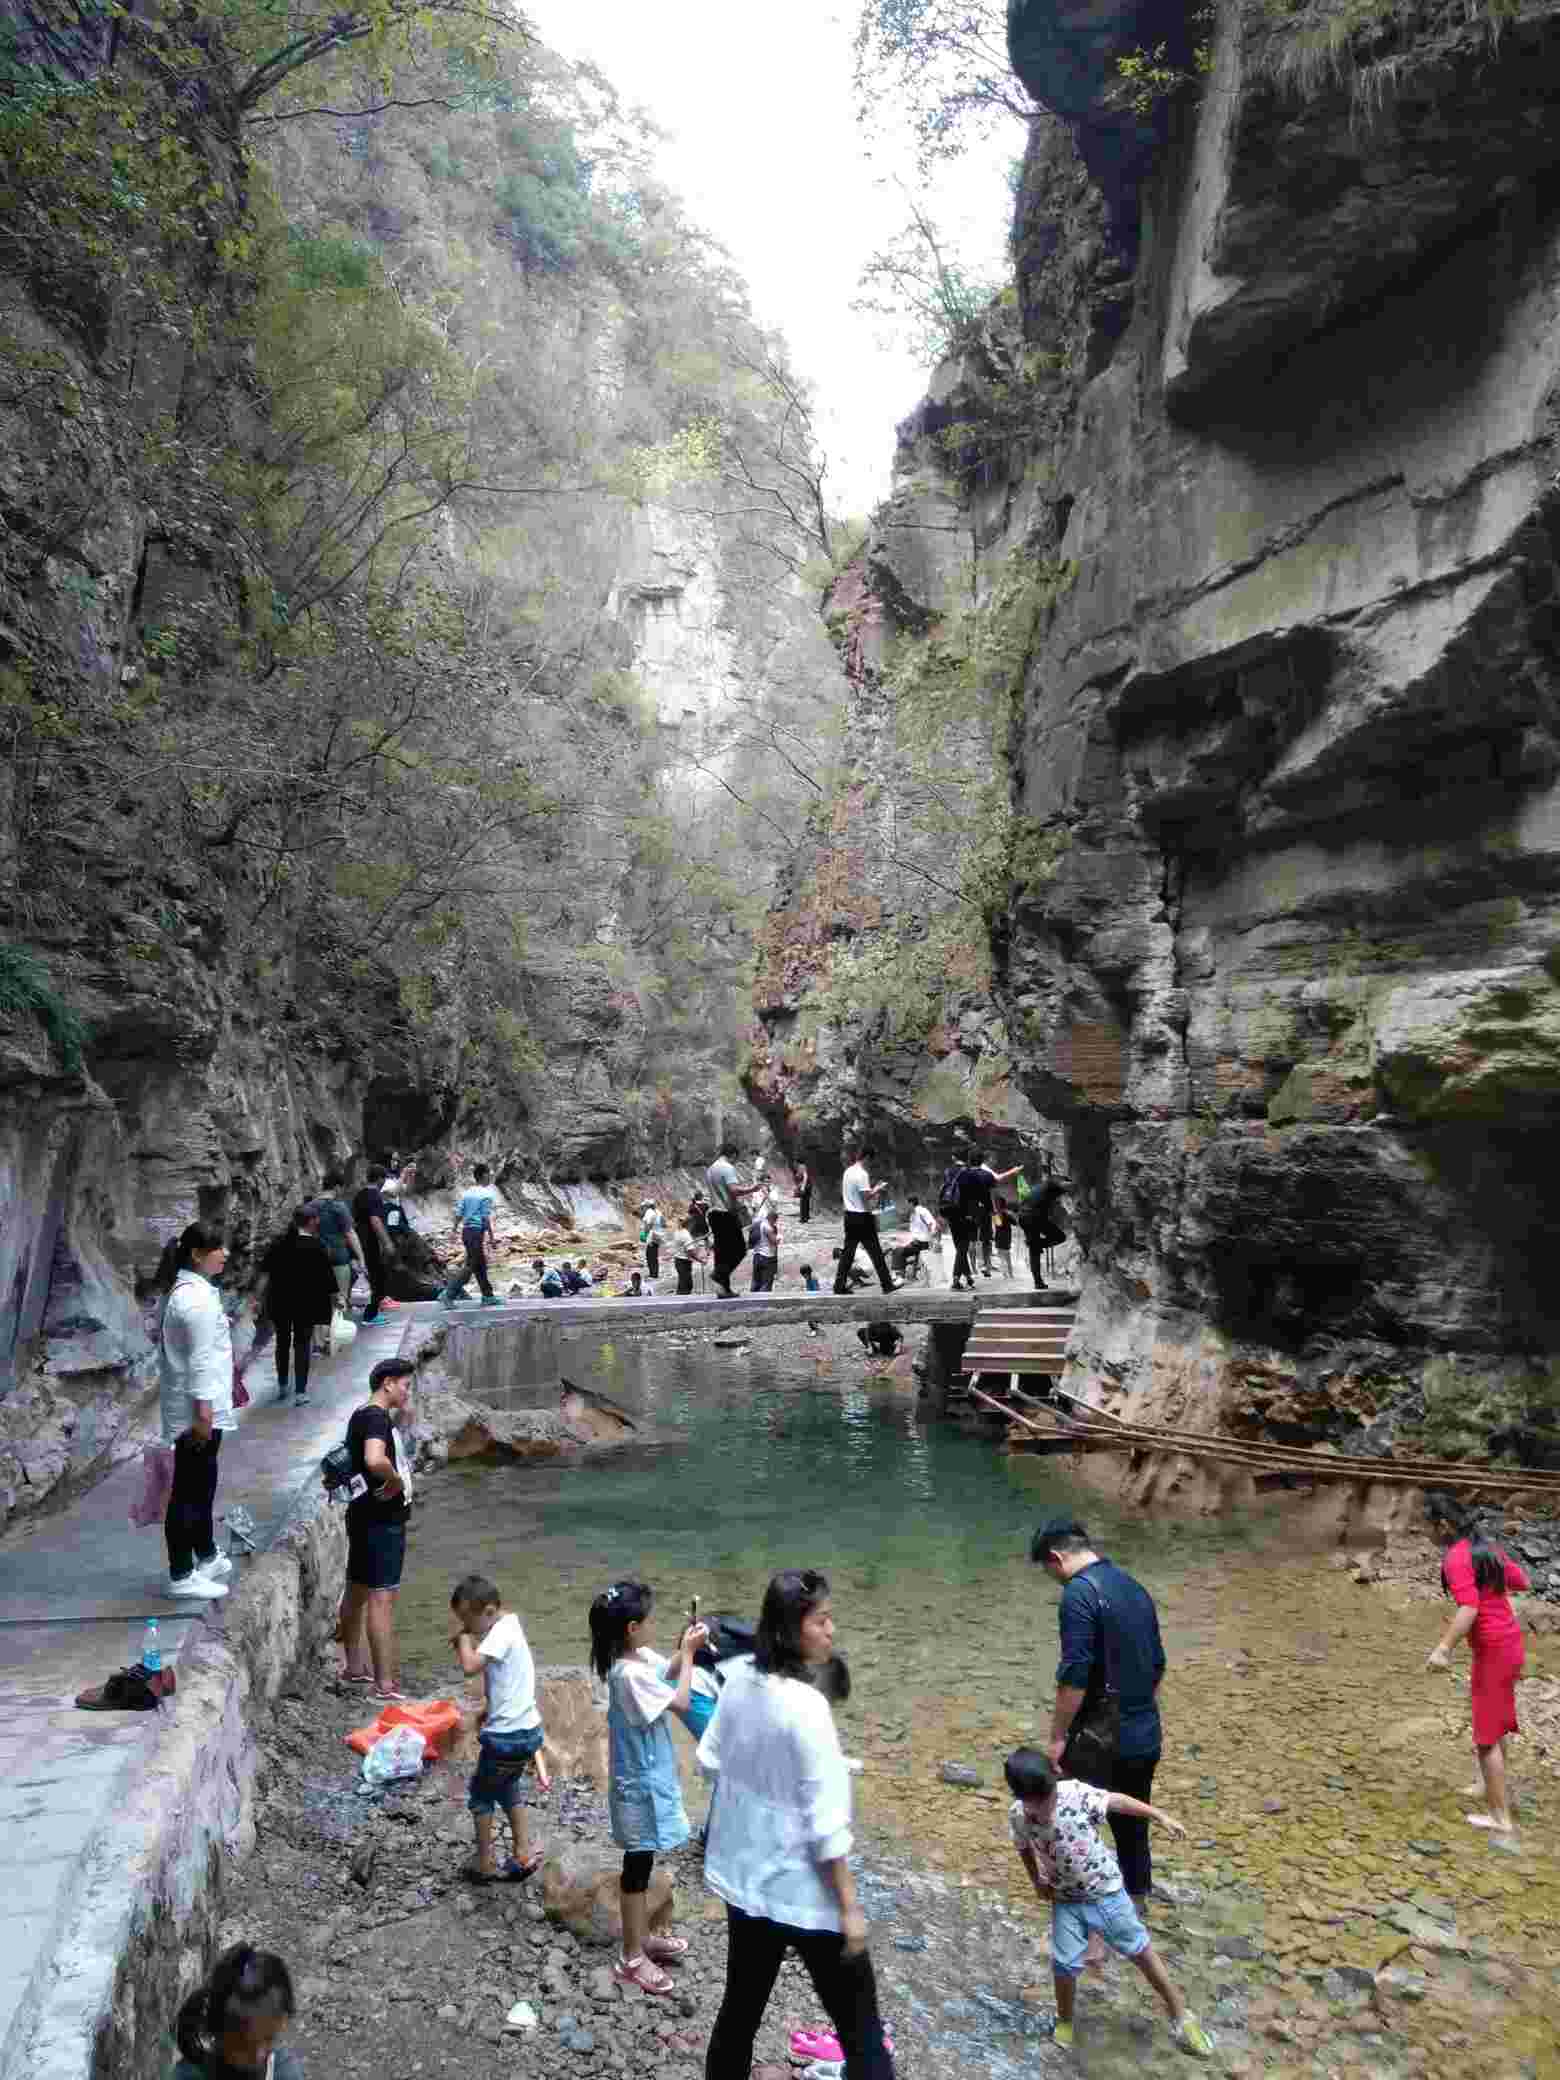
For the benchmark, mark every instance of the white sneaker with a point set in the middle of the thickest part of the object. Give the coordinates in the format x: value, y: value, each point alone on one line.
x: 196, y: 1584
x: 216, y: 1569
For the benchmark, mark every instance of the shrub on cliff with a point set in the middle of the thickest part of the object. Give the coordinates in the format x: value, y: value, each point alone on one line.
x: 27, y: 990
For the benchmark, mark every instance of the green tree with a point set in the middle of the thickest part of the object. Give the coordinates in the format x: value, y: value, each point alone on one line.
x: 941, y: 65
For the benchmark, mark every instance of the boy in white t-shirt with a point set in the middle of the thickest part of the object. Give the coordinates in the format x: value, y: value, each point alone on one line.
x: 1074, y: 1869
x: 490, y: 1641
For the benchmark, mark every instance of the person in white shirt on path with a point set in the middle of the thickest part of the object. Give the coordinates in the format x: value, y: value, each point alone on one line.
x: 195, y: 1350
x: 780, y: 1837
x: 860, y: 1196
x: 686, y: 1252
x: 766, y: 1249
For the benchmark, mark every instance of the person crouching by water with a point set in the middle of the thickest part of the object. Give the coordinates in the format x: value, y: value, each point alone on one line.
x: 195, y: 1349
x: 234, y: 2022
x: 780, y: 1838
x: 1055, y: 1830
x: 1479, y: 1578
x: 376, y: 1529
x: 644, y: 1791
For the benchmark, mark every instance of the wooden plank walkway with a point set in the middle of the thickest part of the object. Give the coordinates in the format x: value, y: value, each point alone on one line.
x: 915, y: 1303
x: 1027, y: 1340
x: 1272, y: 1465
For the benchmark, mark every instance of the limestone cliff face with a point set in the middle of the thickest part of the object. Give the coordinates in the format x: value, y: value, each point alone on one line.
x: 919, y: 1060
x: 1291, y: 981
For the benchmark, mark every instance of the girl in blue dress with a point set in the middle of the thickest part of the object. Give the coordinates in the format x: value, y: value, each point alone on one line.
x: 644, y: 1793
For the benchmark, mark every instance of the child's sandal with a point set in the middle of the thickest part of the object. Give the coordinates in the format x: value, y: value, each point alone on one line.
x: 666, y: 1949
x: 648, y: 1977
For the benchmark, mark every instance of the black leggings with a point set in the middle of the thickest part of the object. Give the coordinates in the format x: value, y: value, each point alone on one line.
x: 684, y: 1269
x: 636, y: 1870
x: 845, y: 1985
x: 188, y: 1524
x: 297, y: 1332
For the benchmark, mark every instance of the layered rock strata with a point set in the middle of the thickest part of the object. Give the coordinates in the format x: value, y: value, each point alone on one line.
x: 1279, y: 966
x: 1292, y: 980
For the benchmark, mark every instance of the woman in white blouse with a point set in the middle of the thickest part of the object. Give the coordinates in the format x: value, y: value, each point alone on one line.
x: 195, y: 1346
x: 780, y: 1835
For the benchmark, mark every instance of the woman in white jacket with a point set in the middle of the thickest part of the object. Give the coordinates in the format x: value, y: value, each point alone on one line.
x: 195, y: 1345
x: 780, y: 1835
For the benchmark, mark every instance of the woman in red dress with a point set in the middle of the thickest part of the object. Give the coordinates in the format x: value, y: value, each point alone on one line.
x: 1479, y: 1579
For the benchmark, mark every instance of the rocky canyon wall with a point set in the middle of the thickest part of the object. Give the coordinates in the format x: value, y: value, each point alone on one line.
x: 184, y: 1030
x: 1278, y: 963
x: 1291, y: 983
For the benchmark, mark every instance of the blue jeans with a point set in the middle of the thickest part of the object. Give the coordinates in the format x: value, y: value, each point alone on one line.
x: 503, y: 1762
x: 1114, y: 1917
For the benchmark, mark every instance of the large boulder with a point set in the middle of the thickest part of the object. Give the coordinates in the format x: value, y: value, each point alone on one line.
x: 580, y: 1892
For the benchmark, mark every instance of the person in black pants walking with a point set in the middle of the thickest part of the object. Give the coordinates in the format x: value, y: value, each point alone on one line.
x: 1110, y: 1634
x: 780, y: 1838
x: 803, y: 1194
x: 369, y: 1214
x: 860, y: 1195
x: 300, y: 1292
x: 727, y: 1234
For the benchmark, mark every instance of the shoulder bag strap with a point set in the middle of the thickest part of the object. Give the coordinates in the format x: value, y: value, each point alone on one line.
x: 1108, y: 1644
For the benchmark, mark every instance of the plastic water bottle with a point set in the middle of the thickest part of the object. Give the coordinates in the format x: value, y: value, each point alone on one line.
x: 151, y: 1652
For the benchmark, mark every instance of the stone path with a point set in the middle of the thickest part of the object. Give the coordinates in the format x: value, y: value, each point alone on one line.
x: 75, y: 1592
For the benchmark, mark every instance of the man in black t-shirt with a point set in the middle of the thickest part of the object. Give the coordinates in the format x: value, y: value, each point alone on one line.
x: 376, y: 1528
x: 370, y: 1215
x: 977, y: 1185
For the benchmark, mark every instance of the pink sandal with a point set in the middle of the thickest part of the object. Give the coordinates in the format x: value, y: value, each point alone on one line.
x: 823, y: 2044
x: 666, y: 1949
x: 648, y: 1977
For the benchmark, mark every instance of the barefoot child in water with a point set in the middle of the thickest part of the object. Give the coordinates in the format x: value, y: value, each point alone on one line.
x: 1074, y: 1869
x: 490, y: 1641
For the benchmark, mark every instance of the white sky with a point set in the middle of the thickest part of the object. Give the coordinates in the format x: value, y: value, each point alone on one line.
x: 765, y: 149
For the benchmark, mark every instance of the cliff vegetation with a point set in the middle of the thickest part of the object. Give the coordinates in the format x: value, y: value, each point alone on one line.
x: 370, y: 415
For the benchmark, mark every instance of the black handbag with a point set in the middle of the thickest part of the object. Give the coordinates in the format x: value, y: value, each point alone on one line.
x: 1095, y: 1734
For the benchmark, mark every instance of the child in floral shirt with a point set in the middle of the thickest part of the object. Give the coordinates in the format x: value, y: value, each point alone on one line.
x: 1074, y: 1869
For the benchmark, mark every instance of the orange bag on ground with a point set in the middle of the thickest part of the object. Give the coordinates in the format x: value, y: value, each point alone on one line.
x: 437, y: 1719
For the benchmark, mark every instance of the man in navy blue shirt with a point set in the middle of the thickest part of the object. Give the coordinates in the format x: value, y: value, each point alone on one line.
x: 1109, y: 1626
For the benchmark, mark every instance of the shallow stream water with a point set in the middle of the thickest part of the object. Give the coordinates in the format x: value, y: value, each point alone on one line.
x: 1315, y: 1766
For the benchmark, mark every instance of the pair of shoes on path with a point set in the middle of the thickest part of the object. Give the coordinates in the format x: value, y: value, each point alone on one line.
x: 645, y: 1971
x: 206, y: 1581
x: 510, y: 1872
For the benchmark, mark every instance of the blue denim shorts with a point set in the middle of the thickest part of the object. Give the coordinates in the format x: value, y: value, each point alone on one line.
x: 1114, y: 1917
x: 503, y: 1764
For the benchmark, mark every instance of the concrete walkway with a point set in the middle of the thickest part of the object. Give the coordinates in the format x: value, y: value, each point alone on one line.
x: 75, y: 1592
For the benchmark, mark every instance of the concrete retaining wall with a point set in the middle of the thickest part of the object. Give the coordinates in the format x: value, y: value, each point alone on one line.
x: 148, y: 1896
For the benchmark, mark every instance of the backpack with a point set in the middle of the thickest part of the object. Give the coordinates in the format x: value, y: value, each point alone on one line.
x: 948, y: 1200
x: 974, y: 1193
